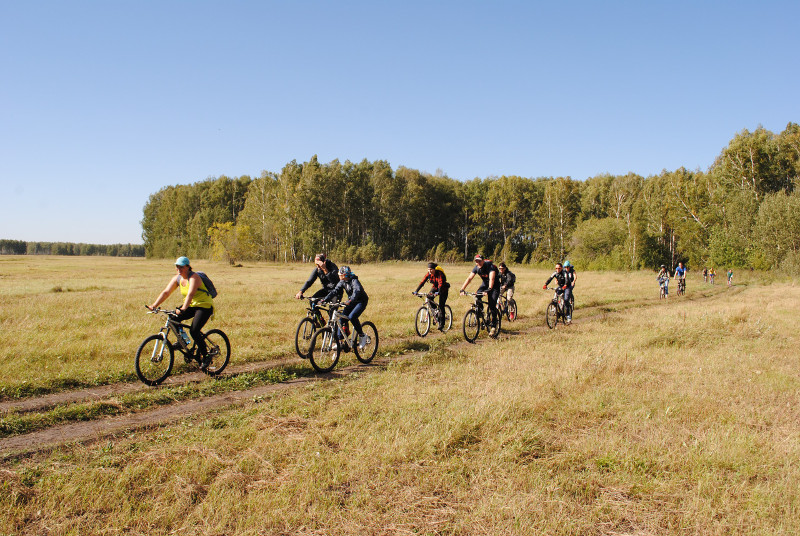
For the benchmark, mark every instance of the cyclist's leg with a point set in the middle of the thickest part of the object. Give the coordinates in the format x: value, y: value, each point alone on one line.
x: 199, y: 316
x: 443, y: 292
x: 354, y: 310
x: 567, y: 308
x: 494, y: 314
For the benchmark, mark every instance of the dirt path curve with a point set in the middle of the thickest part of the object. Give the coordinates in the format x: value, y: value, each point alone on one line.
x: 49, y: 438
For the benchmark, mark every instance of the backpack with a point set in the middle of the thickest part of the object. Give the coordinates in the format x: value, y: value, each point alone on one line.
x: 212, y: 290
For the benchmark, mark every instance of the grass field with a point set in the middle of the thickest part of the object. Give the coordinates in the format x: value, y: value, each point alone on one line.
x: 642, y: 418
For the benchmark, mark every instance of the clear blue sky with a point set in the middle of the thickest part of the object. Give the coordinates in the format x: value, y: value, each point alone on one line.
x: 102, y: 103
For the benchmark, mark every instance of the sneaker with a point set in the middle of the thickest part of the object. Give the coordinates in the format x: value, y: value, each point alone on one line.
x: 492, y: 331
x: 441, y: 328
x: 569, y: 320
x: 363, y: 341
x: 205, y: 362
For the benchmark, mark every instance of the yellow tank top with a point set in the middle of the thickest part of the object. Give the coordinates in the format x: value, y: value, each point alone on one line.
x: 201, y: 296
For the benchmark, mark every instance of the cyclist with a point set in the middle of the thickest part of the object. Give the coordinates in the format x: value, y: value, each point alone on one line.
x: 327, y: 273
x: 357, y: 300
x: 680, y: 275
x: 507, y: 280
x: 711, y: 274
x: 730, y: 276
x: 561, y: 278
x: 439, y: 284
x: 197, y: 305
x: 491, y: 287
x: 705, y: 275
x: 569, y: 293
x: 663, y: 280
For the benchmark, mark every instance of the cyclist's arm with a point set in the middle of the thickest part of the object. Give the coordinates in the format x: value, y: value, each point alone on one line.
x: 492, y: 278
x: 171, y: 286
x: 308, y: 283
x: 467, y: 282
x: 424, y: 280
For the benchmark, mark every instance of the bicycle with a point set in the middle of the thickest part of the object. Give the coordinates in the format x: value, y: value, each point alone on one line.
x: 429, y: 313
x: 474, y: 319
x: 156, y: 355
x: 662, y: 287
x: 308, y: 325
x: 507, y: 308
x: 326, y: 346
x: 557, y: 310
x: 681, y: 287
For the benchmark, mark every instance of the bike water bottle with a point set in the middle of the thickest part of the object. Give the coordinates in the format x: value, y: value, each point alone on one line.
x: 184, y: 337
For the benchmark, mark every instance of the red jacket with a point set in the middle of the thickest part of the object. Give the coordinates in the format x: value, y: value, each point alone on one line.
x: 438, y: 280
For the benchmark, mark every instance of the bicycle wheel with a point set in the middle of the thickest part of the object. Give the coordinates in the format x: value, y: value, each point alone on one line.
x: 219, y: 348
x: 422, y: 322
x: 302, y: 337
x: 551, y: 315
x: 324, y: 350
x: 448, y: 318
x: 366, y: 353
x: 498, y: 325
x: 154, y: 360
x: 472, y: 326
x: 511, y: 312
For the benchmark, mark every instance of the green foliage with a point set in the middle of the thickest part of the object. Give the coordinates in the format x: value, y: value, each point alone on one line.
x: 366, y: 212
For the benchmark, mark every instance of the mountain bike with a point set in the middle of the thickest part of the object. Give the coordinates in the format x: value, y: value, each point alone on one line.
x: 662, y: 287
x: 313, y: 321
x: 429, y: 314
x: 328, y: 342
x: 507, y: 308
x: 681, y: 287
x: 156, y: 354
x: 474, y: 319
x: 557, y: 310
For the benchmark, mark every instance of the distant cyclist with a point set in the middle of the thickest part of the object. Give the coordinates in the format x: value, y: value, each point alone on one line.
x: 680, y: 275
x: 489, y: 273
x: 730, y: 276
x: 197, y: 305
x: 663, y: 280
x: 561, y: 278
x: 357, y: 299
x: 712, y: 274
x: 569, y: 293
x: 327, y: 273
x: 439, y: 284
x: 705, y: 275
x: 507, y: 280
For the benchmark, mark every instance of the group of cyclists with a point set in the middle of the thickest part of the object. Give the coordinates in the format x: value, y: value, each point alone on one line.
x: 198, y: 303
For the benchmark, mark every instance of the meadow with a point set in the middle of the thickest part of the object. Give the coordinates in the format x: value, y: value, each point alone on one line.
x: 644, y: 417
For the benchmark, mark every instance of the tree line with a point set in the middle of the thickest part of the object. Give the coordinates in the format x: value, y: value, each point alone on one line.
x: 744, y: 211
x: 22, y: 247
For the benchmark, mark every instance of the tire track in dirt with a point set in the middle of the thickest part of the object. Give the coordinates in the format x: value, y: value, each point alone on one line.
x: 86, y: 431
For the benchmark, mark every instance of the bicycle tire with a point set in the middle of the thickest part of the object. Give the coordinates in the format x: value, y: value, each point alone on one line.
x: 153, y: 370
x: 219, y: 350
x: 498, y: 326
x: 324, y: 350
x: 422, y: 321
x: 448, y: 318
x: 302, y: 337
x: 511, y: 312
x: 472, y: 326
x: 367, y: 354
x: 551, y: 315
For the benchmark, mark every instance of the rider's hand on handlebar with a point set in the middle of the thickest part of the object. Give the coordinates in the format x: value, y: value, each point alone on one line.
x: 298, y: 296
x: 544, y: 287
x: 564, y: 287
x: 462, y: 292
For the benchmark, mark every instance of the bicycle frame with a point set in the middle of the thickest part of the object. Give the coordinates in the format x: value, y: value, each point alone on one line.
x: 433, y: 307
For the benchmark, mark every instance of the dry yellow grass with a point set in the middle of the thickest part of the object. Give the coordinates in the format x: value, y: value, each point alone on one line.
x: 668, y: 418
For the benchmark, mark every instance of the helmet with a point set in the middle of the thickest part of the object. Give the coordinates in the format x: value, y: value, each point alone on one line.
x: 346, y: 272
x: 663, y: 266
x: 182, y: 261
x: 567, y: 264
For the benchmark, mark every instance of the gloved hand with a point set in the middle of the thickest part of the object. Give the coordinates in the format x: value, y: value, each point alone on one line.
x: 544, y: 287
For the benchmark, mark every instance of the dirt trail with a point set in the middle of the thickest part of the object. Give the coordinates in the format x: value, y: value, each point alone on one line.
x: 50, y: 438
